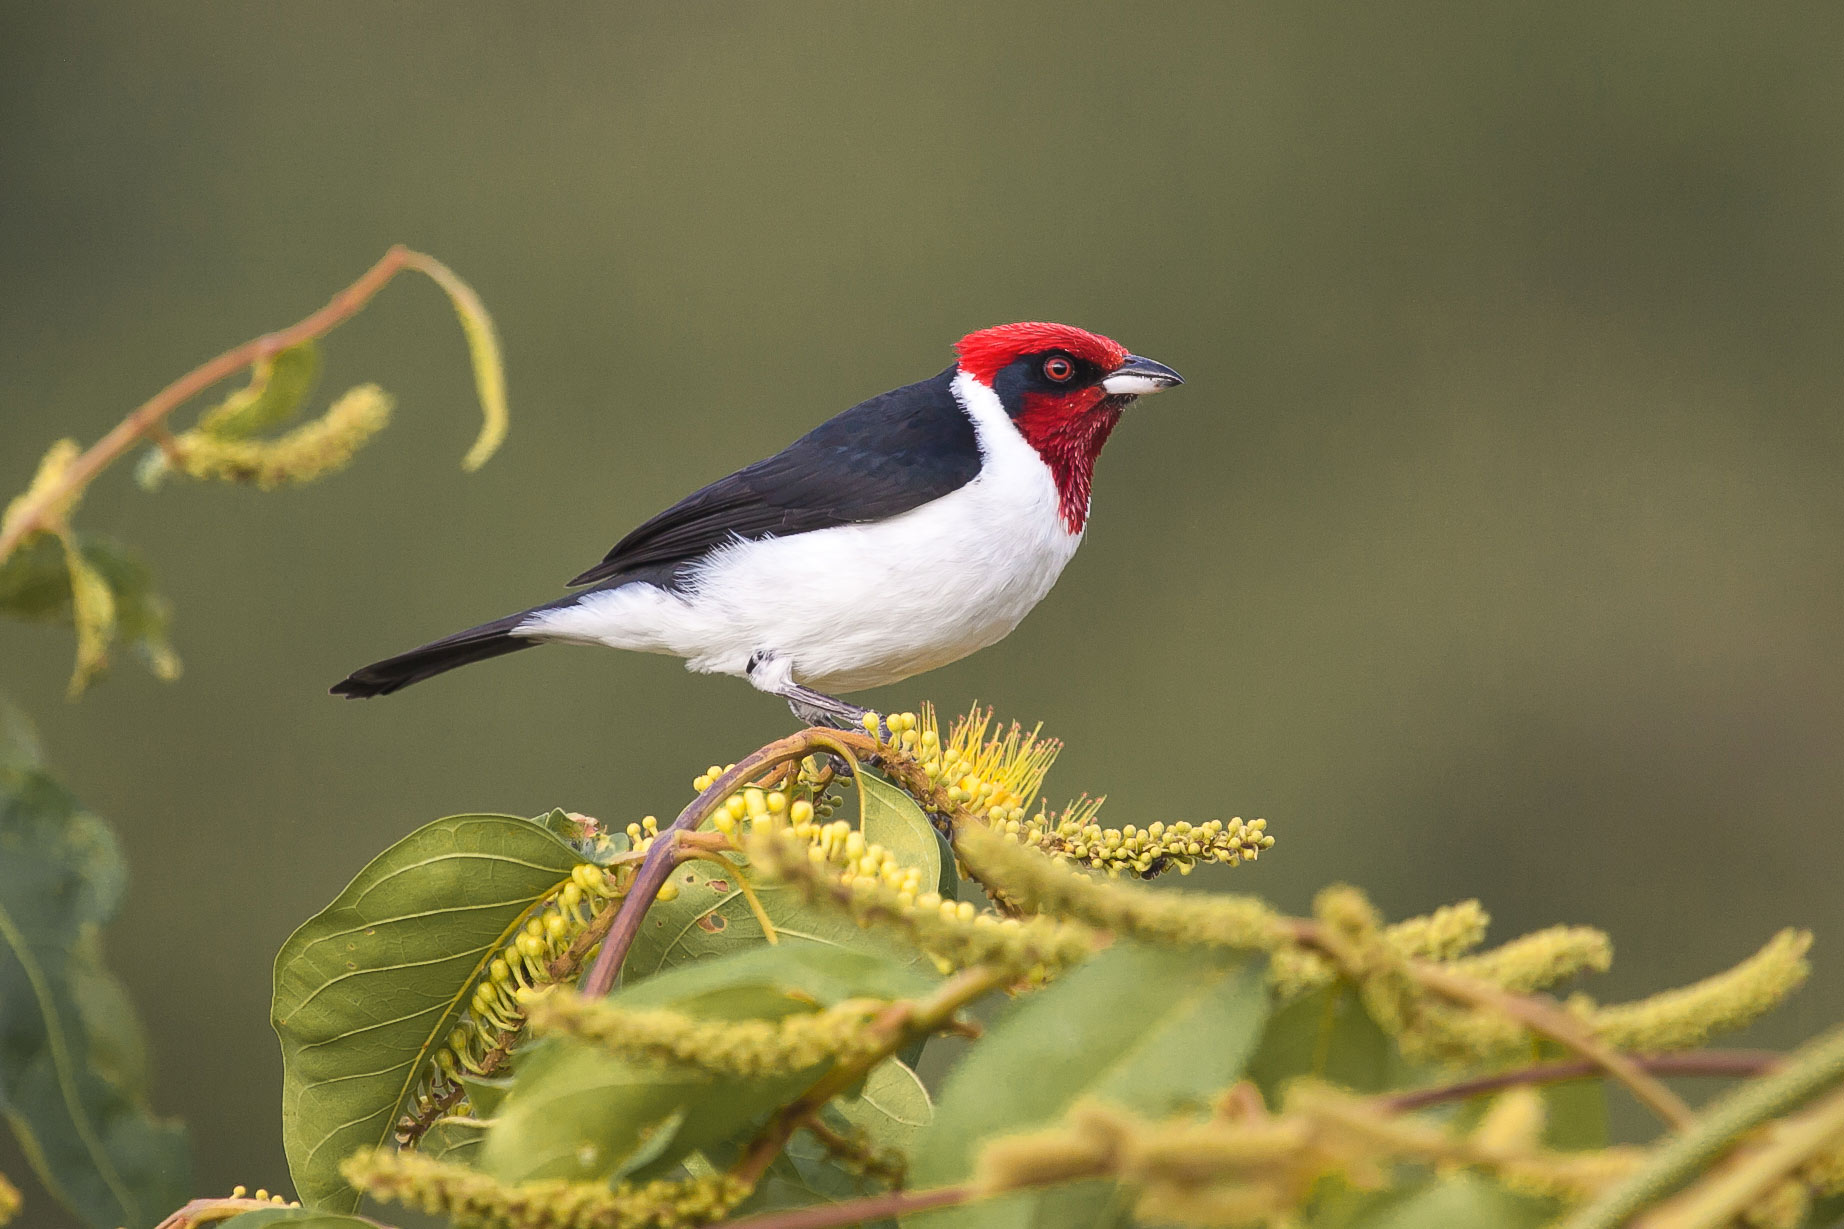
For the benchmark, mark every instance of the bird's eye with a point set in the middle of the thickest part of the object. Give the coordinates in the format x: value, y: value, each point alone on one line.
x: 1058, y: 368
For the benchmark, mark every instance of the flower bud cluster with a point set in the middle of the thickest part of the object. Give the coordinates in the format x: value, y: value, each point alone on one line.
x: 831, y: 864
x: 494, y: 1013
x: 1027, y: 880
x: 724, y: 1047
x: 472, y: 1198
x: 1073, y: 834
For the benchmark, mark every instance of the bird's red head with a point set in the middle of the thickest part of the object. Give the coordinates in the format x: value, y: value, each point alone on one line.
x: 1065, y: 389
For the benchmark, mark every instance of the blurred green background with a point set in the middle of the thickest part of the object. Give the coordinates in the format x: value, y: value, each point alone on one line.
x: 1492, y: 548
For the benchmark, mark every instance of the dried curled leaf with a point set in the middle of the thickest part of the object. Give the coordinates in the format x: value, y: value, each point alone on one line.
x: 483, y: 351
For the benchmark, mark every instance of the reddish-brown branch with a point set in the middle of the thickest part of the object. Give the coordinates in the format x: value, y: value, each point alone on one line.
x: 665, y: 853
x: 1738, y: 1063
x: 856, y: 1211
x: 146, y: 418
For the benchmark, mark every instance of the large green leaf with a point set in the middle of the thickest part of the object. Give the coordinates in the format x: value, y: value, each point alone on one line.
x: 73, y: 1069
x: 709, y: 918
x: 892, y: 819
x: 1328, y: 1034
x: 367, y: 989
x: 577, y: 1112
x: 1155, y: 1030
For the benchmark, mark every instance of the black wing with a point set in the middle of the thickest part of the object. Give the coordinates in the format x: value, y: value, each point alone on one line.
x: 884, y: 456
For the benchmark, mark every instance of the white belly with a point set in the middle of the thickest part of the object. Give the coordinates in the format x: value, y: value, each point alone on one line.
x: 857, y: 606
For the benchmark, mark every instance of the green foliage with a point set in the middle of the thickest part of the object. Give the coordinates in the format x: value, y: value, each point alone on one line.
x: 1125, y: 1028
x: 368, y: 989
x: 73, y: 1071
x: 35, y: 585
x: 710, y: 916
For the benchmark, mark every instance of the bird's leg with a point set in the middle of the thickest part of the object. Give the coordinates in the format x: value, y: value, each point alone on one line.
x: 818, y: 708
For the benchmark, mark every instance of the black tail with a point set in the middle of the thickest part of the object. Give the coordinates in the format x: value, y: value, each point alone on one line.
x: 381, y: 678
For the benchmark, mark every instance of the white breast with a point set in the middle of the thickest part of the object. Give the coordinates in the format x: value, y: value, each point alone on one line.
x: 858, y: 606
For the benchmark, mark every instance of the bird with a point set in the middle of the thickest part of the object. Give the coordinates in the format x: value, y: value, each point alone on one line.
x: 900, y: 535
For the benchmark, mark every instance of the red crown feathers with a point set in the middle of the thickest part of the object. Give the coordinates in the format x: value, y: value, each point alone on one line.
x: 982, y: 354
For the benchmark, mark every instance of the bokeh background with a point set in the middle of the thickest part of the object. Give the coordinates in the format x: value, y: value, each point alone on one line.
x: 1492, y: 549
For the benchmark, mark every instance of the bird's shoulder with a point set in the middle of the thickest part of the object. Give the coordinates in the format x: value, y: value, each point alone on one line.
x: 885, y: 456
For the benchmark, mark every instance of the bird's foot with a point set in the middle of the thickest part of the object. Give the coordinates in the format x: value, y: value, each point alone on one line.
x: 818, y: 708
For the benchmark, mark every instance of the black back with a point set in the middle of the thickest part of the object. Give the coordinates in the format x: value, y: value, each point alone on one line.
x: 897, y: 451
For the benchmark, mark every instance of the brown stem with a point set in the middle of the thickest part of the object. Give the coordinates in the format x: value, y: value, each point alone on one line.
x: 856, y: 1211
x: 31, y: 517
x: 1543, y: 1017
x: 204, y: 1211
x: 1744, y: 1063
x: 664, y: 853
x: 899, y: 1024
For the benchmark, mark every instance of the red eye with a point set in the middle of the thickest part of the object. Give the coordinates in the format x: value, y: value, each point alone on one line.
x: 1058, y: 368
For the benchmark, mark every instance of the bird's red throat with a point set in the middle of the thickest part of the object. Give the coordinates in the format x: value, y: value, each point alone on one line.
x: 1068, y: 432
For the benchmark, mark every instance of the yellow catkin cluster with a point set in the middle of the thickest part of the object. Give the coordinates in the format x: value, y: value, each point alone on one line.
x: 866, y: 883
x: 1684, y: 1018
x: 1541, y: 958
x: 475, y: 1201
x: 303, y: 454
x: 726, y: 1047
x: 1034, y: 883
x: 1427, y: 1026
x: 495, y: 1013
x: 9, y: 1200
x: 1236, y: 1171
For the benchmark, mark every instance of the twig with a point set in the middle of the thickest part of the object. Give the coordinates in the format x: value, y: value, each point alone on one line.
x: 30, y: 517
x: 1744, y: 1063
x: 665, y: 854
x: 1814, y: 1066
x: 856, y: 1211
x: 900, y: 1023
x: 148, y: 418
x: 205, y: 1211
x: 1543, y: 1017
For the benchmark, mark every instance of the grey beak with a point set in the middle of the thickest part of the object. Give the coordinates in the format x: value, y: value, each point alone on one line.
x: 1139, y: 376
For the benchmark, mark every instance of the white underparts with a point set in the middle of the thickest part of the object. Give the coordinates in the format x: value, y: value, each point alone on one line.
x: 856, y: 606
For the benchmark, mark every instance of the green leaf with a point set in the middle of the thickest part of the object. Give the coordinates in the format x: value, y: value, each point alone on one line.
x: 453, y: 1139
x: 710, y: 918
x: 367, y: 989
x: 73, y: 1071
x: 892, y: 1109
x: 1463, y: 1201
x: 1328, y: 1034
x: 577, y: 1112
x: 892, y: 819
x: 35, y: 585
x: 1154, y: 1030
x: 278, y: 386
